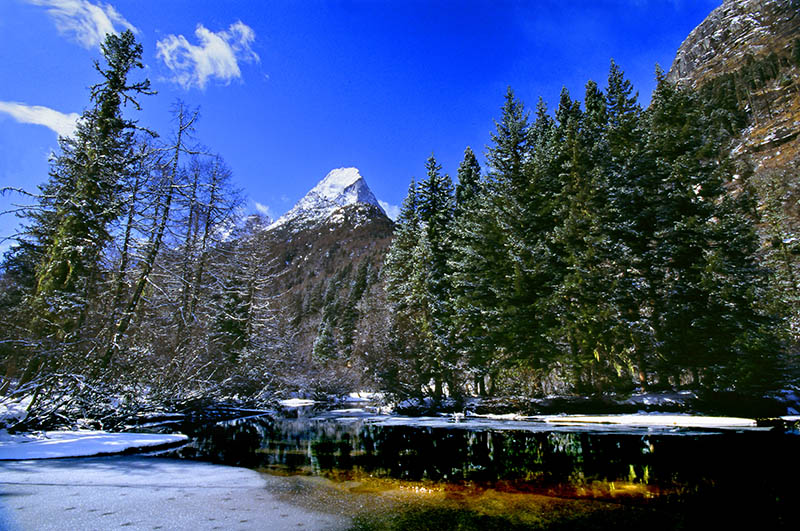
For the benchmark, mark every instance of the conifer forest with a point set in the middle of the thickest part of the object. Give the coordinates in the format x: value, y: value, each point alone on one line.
x: 605, y: 246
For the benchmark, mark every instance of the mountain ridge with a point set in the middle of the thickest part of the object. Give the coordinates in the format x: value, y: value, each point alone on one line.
x: 340, y: 188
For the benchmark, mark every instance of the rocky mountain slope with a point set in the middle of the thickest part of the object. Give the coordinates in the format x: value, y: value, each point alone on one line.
x: 748, y: 51
x: 327, y: 254
x: 342, y: 187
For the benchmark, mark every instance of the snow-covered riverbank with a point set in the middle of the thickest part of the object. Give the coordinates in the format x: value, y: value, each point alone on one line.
x: 38, y: 491
x: 145, y: 493
x: 81, y: 443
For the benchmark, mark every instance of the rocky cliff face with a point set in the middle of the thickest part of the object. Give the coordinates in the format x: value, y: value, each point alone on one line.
x: 734, y: 30
x: 749, y: 51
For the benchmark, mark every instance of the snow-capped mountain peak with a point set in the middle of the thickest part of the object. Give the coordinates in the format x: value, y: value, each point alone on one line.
x: 340, y: 188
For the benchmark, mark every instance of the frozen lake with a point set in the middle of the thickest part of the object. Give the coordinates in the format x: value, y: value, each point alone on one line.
x: 652, y: 470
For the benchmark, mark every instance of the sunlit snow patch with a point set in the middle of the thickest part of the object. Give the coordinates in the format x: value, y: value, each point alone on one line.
x: 12, y: 411
x: 55, y: 444
x: 362, y: 396
x: 678, y: 421
x: 296, y: 402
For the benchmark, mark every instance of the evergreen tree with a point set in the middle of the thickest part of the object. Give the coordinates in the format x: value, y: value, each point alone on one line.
x: 436, y: 208
x: 397, y: 268
x: 469, y: 176
x: 507, y: 153
x: 436, y: 205
x: 325, y: 344
x: 89, y: 171
x: 487, y: 266
x: 703, y: 250
x: 71, y: 227
x: 628, y: 219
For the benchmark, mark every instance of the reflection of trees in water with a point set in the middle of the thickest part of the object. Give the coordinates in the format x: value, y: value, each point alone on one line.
x: 417, y: 453
x: 232, y: 443
x: 734, y: 468
x: 536, y: 459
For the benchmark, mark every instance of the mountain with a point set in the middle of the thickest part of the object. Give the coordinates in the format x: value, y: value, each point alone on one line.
x: 342, y: 187
x: 746, y: 56
x: 326, y: 255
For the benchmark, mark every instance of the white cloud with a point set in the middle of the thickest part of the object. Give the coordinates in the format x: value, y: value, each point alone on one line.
x: 63, y: 124
x: 263, y: 209
x: 391, y: 210
x: 216, y: 56
x: 86, y: 22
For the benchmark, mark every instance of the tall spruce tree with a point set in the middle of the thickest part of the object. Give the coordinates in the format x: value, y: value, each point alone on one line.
x: 436, y: 206
x: 628, y: 219
x: 88, y: 174
x: 469, y: 176
x: 402, y: 373
x: 72, y: 225
x: 703, y: 251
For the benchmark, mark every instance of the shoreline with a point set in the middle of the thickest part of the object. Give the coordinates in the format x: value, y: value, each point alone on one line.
x: 146, y: 493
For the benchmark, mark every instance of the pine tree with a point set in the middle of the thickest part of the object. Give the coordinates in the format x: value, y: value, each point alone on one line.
x: 397, y: 267
x: 436, y: 209
x: 402, y: 371
x: 72, y: 224
x: 579, y: 298
x: 629, y: 221
x: 490, y: 253
x: 703, y: 250
x: 469, y: 176
x: 436, y: 205
x: 90, y: 169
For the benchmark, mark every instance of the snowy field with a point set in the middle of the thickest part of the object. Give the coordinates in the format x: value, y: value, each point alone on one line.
x: 145, y: 493
x: 40, y: 492
x: 59, y: 444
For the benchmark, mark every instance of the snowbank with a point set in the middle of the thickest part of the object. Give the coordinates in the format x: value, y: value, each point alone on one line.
x: 296, y: 402
x: 12, y: 411
x: 84, y: 443
x: 679, y: 421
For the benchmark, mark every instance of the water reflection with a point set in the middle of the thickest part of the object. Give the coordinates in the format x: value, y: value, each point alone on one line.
x: 638, y: 466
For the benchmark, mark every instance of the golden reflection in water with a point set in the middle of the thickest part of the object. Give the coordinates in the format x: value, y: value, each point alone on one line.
x: 386, y: 503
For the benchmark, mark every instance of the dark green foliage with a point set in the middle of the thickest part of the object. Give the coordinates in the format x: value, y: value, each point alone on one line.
x: 796, y: 52
x: 469, y: 175
x: 418, y: 284
x: 602, y: 250
x: 89, y: 170
x: 703, y: 245
x: 325, y: 344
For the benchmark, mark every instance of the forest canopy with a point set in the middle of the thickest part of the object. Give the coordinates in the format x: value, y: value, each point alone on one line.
x: 607, y: 247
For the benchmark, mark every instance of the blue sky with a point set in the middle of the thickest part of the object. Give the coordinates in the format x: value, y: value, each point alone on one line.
x: 289, y: 90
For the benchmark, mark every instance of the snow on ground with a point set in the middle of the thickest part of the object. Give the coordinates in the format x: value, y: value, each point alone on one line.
x: 55, y: 444
x: 296, y: 402
x: 617, y: 424
x: 655, y: 420
x: 363, y: 396
x: 138, y: 492
x: 12, y: 411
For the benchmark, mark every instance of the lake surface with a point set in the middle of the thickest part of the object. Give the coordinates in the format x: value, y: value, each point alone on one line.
x: 474, y: 473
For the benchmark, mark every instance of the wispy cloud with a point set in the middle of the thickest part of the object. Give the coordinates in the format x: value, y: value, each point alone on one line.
x: 63, y: 124
x: 262, y: 209
x: 216, y: 56
x: 84, y: 21
x: 391, y: 210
